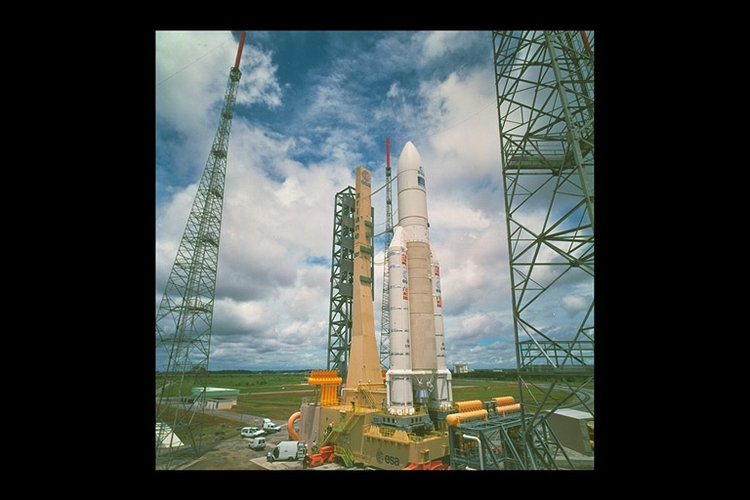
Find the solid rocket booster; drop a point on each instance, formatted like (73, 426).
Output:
(418, 371)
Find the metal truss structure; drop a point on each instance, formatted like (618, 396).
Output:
(342, 282)
(185, 314)
(545, 96)
(385, 313)
(498, 444)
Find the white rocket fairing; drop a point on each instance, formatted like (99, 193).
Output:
(418, 371)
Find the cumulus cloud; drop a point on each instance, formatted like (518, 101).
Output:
(258, 82)
(289, 154)
(437, 43)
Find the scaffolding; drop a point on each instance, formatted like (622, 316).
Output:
(185, 314)
(342, 283)
(545, 95)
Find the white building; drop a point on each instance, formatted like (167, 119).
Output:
(460, 367)
(218, 398)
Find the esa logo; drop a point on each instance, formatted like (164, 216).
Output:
(388, 459)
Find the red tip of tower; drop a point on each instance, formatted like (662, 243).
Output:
(239, 51)
(585, 41)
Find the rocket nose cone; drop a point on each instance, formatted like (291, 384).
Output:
(409, 155)
(409, 146)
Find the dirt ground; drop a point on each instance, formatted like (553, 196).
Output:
(230, 454)
(233, 453)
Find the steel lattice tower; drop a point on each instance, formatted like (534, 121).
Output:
(342, 283)
(342, 280)
(385, 321)
(545, 94)
(185, 314)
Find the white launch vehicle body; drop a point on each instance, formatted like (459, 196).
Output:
(418, 370)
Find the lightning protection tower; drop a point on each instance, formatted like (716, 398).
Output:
(385, 312)
(545, 96)
(185, 315)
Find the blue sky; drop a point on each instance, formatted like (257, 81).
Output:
(311, 107)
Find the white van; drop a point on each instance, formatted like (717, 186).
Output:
(287, 450)
(258, 443)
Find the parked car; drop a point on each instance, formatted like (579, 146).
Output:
(258, 443)
(252, 432)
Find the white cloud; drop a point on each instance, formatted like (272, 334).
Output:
(258, 82)
(249, 315)
(437, 43)
(394, 90)
(274, 267)
(191, 74)
(192, 71)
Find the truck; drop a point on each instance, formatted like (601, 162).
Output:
(287, 450)
(269, 426)
(325, 455)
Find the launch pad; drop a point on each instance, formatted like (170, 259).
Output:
(359, 440)
(405, 418)
(395, 419)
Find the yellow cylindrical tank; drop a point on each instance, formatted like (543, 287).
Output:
(504, 400)
(502, 410)
(464, 406)
(455, 419)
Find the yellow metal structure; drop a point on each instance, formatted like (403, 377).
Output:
(363, 371)
(357, 440)
(329, 383)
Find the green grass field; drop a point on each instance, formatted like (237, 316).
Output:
(278, 395)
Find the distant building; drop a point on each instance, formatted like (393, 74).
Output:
(460, 367)
(218, 398)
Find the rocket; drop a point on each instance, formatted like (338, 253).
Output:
(418, 373)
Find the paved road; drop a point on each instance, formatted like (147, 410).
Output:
(589, 402)
(247, 419)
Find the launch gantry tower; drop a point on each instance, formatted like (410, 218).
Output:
(342, 282)
(545, 96)
(385, 321)
(185, 314)
(342, 279)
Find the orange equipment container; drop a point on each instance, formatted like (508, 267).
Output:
(502, 410)
(504, 400)
(455, 419)
(464, 406)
